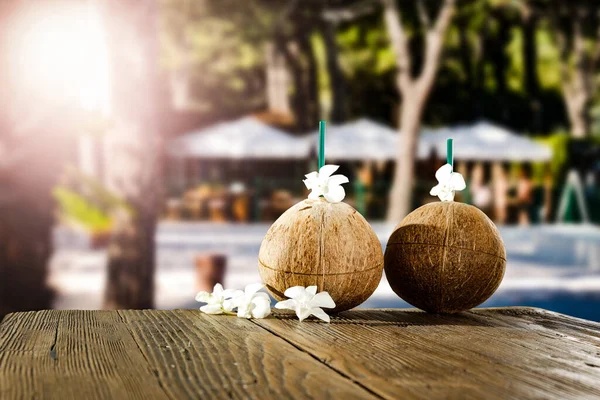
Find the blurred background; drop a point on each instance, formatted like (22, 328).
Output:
(147, 146)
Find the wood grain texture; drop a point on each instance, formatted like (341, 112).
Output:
(485, 353)
(445, 257)
(156, 355)
(502, 353)
(329, 245)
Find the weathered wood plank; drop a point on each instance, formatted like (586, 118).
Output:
(72, 355)
(200, 356)
(157, 355)
(485, 353)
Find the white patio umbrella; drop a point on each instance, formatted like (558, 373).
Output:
(362, 139)
(244, 138)
(483, 141)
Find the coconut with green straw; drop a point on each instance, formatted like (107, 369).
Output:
(445, 256)
(324, 242)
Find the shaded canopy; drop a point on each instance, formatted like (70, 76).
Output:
(483, 141)
(246, 137)
(362, 139)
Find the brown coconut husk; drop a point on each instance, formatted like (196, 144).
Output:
(445, 257)
(329, 245)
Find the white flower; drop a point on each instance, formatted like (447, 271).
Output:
(323, 183)
(251, 303)
(306, 301)
(216, 302)
(448, 183)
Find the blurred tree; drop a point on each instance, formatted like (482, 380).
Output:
(292, 37)
(529, 21)
(575, 25)
(37, 127)
(414, 90)
(219, 52)
(337, 81)
(134, 147)
(367, 64)
(214, 53)
(333, 16)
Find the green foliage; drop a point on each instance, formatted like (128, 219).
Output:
(86, 202)
(324, 84)
(548, 60)
(217, 47)
(516, 69)
(559, 143)
(368, 64)
(76, 209)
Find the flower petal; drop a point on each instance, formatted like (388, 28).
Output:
(238, 298)
(447, 196)
(315, 194)
(244, 312)
(311, 290)
(337, 180)
(457, 182)
(262, 307)
(335, 194)
(212, 309)
(311, 176)
(443, 173)
(203, 297)
(229, 305)
(327, 170)
(228, 293)
(218, 289)
(295, 291)
(322, 315)
(286, 304)
(253, 288)
(303, 313)
(435, 190)
(262, 295)
(322, 299)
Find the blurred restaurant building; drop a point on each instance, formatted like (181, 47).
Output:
(247, 170)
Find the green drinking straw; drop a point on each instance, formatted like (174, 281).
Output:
(449, 153)
(321, 143)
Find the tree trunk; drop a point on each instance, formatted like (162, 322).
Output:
(310, 80)
(577, 105)
(277, 81)
(500, 61)
(415, 92)
(134, 151)
(403, 184)
(300, 100)
(336, 78)
(532, 86)
(35, 132)
(577, 84)
(577, 66)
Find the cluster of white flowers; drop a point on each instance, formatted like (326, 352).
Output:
(448, 182)
(251, 303)
(323, 183)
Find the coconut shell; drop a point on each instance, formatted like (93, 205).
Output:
(329, 245)
(445, 257)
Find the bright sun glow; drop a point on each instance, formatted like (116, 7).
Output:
(61, 54)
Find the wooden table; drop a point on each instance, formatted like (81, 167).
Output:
(393, 354)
